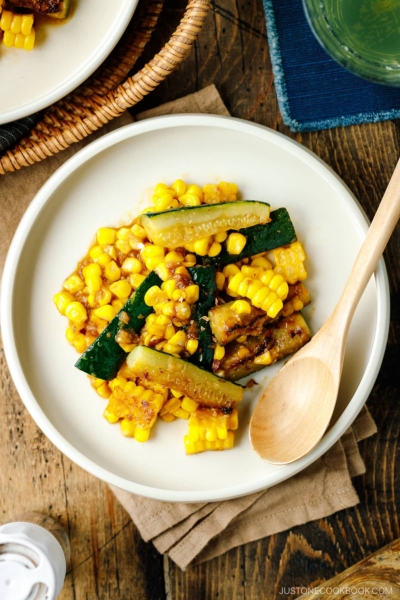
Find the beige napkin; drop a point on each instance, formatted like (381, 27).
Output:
(193, 533)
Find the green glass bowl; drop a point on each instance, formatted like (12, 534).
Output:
(361, 35)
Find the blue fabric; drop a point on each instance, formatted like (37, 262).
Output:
(314, 92)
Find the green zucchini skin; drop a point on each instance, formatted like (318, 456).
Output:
(204, 277)
(260, 238)
(104, 357)
(172, 372)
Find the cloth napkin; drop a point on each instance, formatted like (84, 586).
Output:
(314, 92)
(195, 532)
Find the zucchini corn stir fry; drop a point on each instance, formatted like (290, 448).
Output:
(168, 312)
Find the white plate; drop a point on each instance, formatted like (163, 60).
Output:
(107, 183)
(63, 57)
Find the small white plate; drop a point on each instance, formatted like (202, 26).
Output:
(64, 56)
(107, 183)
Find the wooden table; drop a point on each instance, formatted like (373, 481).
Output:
(109, 559)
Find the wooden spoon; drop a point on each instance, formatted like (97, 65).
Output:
(295, 408)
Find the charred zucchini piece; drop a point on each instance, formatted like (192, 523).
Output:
(56, 9)
(227, 325)
(204, 277)
(181, 226)
(172, 372)
(260, 238)
(105, 356)
(280, 338)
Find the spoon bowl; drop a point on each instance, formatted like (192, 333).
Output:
(295, 408)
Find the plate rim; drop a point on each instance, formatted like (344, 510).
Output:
(127, 10)
(6, 308)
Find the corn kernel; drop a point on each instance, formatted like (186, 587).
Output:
(269, 301)
(221, 237)
(103, 390)
(168, 309)
(179, 186)
(261, 261)
(181, 414)
(110, 250)
(201, 246)
(190, 260)
(111, 417)
(106, 312)
(190, 200)
(179, 339)
(172, 349)
(123, 247)
(235, 243)
(155, 295)
(112, 272)
(189, 405)
(19, 41)
(275, 308)
(174, 257)
(162, 271)
(160, 188)
(191, 346)
(106, 236)
(6, 20)
(62, 300)
(95, 252)
(138, 231)
(168, 417)
(242, 338)
(73, 284)
(241, 307)
(94, 283)
(259, 297)
(230, 270)
(128, 427)
(30, 40)
(192, 293)
(76, 312)
(263, 359)
(123, 234)
(178, 295)
(90, 270)
(195, 189)
(220, 280)
(121, 289)
(219, 352)
(117, 305)
(136, 279)
(169, 331)
(103, 259)
(275, 282)
(79, 343)
(169, 287)
(182, 310)
(215, 249)
(16, 24)
(164, 202)
(70, 334)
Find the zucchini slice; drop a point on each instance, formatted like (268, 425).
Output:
(204, 277)
(199, 385)
(104, 357)
(56, 9)
(181, 226)
(281, 338)
(260, 238)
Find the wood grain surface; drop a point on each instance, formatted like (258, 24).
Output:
(109, 559)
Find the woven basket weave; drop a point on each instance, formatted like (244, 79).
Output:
(109, 92)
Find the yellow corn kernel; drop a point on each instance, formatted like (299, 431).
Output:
(95, 252)
(136, 279)
(117, 305)
(191, 346)
(151, 250)
(215, 249)
(179, 186)
(62, 300)
(182, 271)
(189, 405)
(70, 334)
(79, 343)
(190, 200)
(179, 339)
(121, 289)
(168, 417)
(190, 260)
(172, 349)
(123, 247)
(16, 24)
(190, 247)
(241, 307)
(138, 231)
(112, 272)
(90, 270)
(221, 237)
(263, 359)
(176, 393)
(106, 312)
(275, 282)
(94, 283)
(168, 309)
(6, 20)
(244, 286)
(110, 250)
(163, 202)
(153, 261)
(162, 271)
(128, 427)
(196, 190)
(235, 243)
(261, 261)
(162, 320)
(123, 234)
(290, 262)
(242, 338)
(275, 308)
(174, 257)
(171, 405)
(103, 390)
(111, 417)
(181, 414)
(219, 352)
(106, 236)
(161, 188)
(201, 246)
(230, 270)
(73, 284)
(178, 295)
(142, 434)
(103, 259)
(103, 296)
(169, 287)
(155, 295)
(19, 40)
(169, 331)
(182, 310)
(220, 280)
(260, 296)
(29, 42)
(254, 272)
(192, 293)
(76, 312)
(117, 382)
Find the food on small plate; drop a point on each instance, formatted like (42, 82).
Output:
(170, 311)
(17, 19)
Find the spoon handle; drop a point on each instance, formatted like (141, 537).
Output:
(378, 235)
